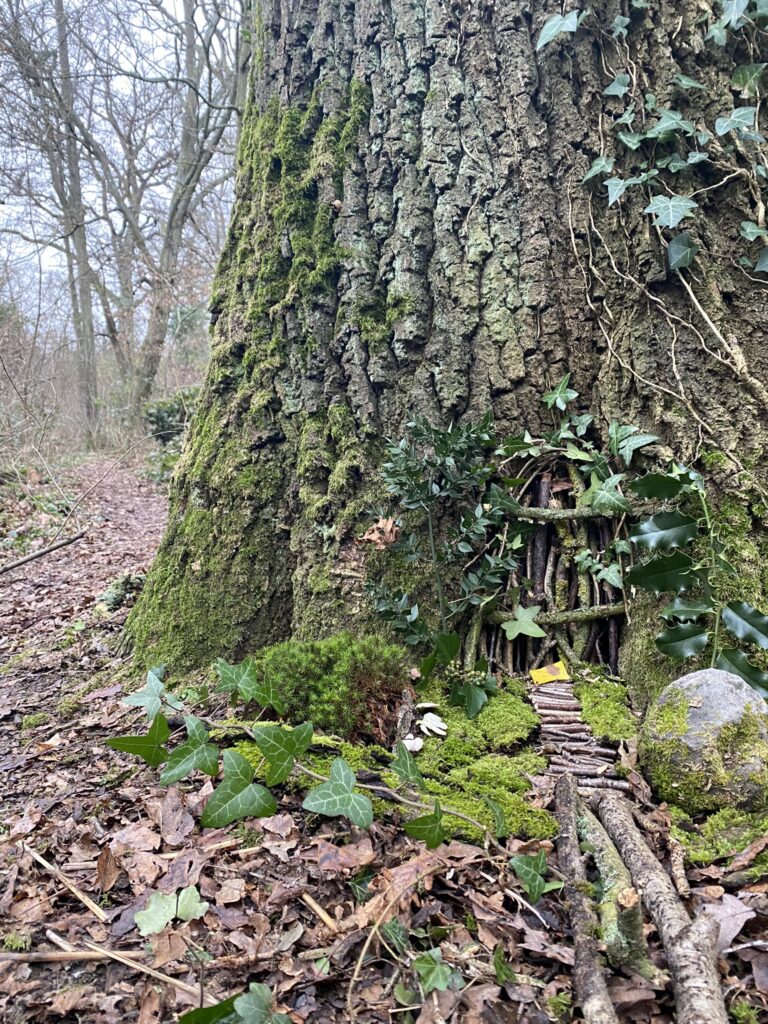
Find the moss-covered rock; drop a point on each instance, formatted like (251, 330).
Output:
(705, 743)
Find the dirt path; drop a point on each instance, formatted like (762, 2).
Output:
(124, 516)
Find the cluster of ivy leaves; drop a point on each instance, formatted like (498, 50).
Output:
(667, 142)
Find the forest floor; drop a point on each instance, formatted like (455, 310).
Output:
(342, 924)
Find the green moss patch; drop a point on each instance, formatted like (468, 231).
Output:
(343, 684)
(605, 708)
(720, 835)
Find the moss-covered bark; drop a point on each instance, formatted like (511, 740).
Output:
(411, 234)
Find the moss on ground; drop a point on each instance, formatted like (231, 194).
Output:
(605, 707)
(33, 721)
(720, 835)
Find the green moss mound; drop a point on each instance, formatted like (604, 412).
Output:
(605, 708)
(340, 684)
(720, 835)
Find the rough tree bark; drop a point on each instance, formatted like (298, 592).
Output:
(411, 234)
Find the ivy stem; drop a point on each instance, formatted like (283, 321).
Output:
(438, 579)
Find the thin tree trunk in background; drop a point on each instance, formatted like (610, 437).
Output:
(412, 235)
(77, 245)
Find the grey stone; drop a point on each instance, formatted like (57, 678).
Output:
(705, 743)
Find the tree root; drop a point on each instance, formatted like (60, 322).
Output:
(621, 913)
(588, 971)
(690, 946)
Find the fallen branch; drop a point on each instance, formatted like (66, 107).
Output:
(588, 970)
(591, 614)
(621, 913)
(42, 551)
(690, 946)
(61, 877)
(50, 956)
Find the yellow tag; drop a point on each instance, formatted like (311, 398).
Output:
(550, 673)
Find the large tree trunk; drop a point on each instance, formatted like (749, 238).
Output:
(411, 234)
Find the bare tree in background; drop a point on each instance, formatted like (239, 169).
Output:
(119, 122)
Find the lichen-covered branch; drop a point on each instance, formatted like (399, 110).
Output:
(564, 618)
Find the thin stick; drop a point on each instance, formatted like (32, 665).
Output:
(602, 611)
(182, 986)
(59, 874)
(60, 956)
(59, 941)
(318, 910)
(43, 551)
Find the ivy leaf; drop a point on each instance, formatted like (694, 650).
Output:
(762, 262)
(670, 210)
(670, 121)
(150, 748)
(434, 974)
(396, 934)
(696, 158)
(607, 500)
(404, 765)
(656, 485)
(733, 660)
(628, 116)
(428, 828)
(255, 1006)
(555, 26)
(153, 695)
(523, 623)
(252, 684)
(687, 83)
(281, 745)
(612, 575)
(617, 187)
(196, 753)
(473, 699)
(632, 140)
(619, 26)
(747, 78)
(221, 1013)
(682, 251)
(752, 231)
(336, 797)
(560, 395)
(162, 908)
(624, 440)
(530, 869)
(680, 610)
(665, 530)
(600, 165)
(447, 647)
(746, 623)
(500, 826)
(237, 796)
(618, 87)
(674, 573)
(733, 11)
(740, 119)
(681, 642)
(503, 971)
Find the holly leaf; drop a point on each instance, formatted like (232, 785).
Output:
(337, 798)
(434, 974)
(195, 754)
(668, 211)
(237, 796)
(665, 530)
(682, 251)
(746, 623)
(560, 395)
(680, 642)
(733, 660)
(151, 747)
(255, 1006)
(680, 610)
(428, 828)
(153, 695)
(657, 485)
(523, 623)
(281, 745)
(674, 573)
(404, 765)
